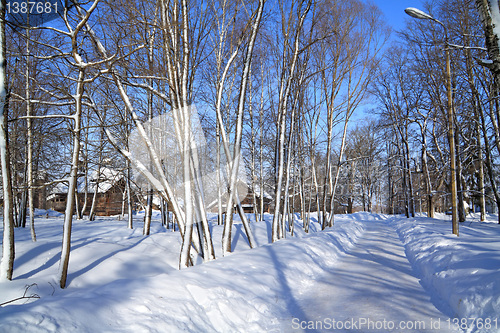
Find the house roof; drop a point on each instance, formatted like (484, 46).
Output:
(256, 189)
(107, 179)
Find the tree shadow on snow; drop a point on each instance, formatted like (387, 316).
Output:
(292, 305)
(89, 267)
(52, 261)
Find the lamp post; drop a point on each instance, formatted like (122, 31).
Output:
(417, 13)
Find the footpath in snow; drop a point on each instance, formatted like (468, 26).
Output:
(461, 273)
(371, 288)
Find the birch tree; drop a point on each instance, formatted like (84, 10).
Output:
(228, 44)
(73, 34)
(178, 74)
(8, 251)
(351, 57)
(227, 233)
(489, 11)
(290, 54)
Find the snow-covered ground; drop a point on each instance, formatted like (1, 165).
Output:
(462, 273)
(368, 269)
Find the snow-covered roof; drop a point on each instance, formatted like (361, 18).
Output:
(256, 190)
(107, 178)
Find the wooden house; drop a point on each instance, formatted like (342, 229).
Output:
(247, 203)
(109, 184)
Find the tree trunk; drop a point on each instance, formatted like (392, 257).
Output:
(337, 173)
(282, 112)
(286, 198)
(460, 188)
(218, 175)
(96, 191)
(29, 160)
(21, 222)
(226, 241)
(70, 201)
(8, 251)
(488, 11)
(482, 202)
(488, 160)
(78, 212)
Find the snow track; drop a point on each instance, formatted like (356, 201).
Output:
(371, 288)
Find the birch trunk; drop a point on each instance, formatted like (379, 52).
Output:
(282, 112)
(96, 190)
(29, 160)
(337, 174)
(149, 208)
(78, 213)
(460, 187)
(261, 148)
(70, 201)
(86, 177)
(130, 223)
(428, 184)
(226, 240)
(489, 11)
(252, 159)
(161, 183)
(286, 204)
(488, 160)
(8, 251)
(97, 181)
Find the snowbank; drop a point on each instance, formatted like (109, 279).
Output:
(121, 281)
(462, 272)
(45, 213)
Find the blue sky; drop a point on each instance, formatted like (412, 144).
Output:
(394, 10)
(395, 17)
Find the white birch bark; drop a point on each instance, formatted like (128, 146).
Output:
(130, 219)
(161, 183)
(282, 110)
(261, 146)
(70, 201)
(8, 252)
(226, 241)
(286, 204)
(77, 97)
(29, 160)
(96, 190)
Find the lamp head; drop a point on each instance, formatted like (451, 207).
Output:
(417, 13)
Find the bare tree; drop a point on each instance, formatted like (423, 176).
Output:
(348, 65)
(8, 252)
(288, 73)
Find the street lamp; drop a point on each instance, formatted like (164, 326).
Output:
(417, 13)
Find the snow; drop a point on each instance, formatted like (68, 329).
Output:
(46, 213)
(461, 272)
(256, 189)
(366, 269)
(486, 61)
